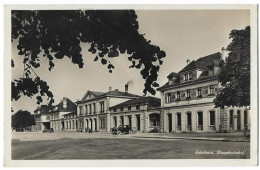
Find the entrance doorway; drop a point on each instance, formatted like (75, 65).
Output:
(245, 119)
(170, 122)
(238, 120)
(200, 121)
(178, 121)
(122, 120)
(130, 121)
(95, 124)
(115, 122)
(189, 121)
(138, 123)
(91, 125)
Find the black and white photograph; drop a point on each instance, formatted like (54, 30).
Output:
(131, 83)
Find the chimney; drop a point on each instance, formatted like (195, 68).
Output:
(188, 61)
(126, 88)
(110, 88)
(64, 103)
(223, 54)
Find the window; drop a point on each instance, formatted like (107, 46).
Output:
(80, 110)
(94, 108)
(199, 92)
(90, 109)
(102, 123)
(186, 77)
(102, 107)
(121, 109)
(190, 76)
(178, 95)
(154, 120)
(231, 114)
(188, 94)
(129, 108)
(168, 98)
(114, 109)
(138, 107)
(211, 89)
(86, 109)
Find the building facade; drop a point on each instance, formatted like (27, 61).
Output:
(93, 109)
(143, 114)
(187, 100)
(57, 113)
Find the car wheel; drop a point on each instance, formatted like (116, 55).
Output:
(130, 132)
(118, 133)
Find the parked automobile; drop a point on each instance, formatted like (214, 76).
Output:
(126, 129)
(48, 130)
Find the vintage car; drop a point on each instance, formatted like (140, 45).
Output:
(48, 130)
(126, 129)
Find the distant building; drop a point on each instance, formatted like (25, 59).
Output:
(187, 100)
(93, 109)
(57, 119)
(42, 118)
(143, 114)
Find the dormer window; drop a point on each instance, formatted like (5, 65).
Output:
(199, 92)
(186, 77)
(188, 93)
(168, 98)
(178, 95)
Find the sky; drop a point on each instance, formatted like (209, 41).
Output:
(182, 34)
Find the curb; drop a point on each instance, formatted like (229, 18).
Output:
(206, 139)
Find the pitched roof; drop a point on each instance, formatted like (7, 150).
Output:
(71, 106)
(192, 65)
(200, 79)
(43, 109)
(203, 62)
(95, 93)
(114, 93)
(117, 93)
(151, 101)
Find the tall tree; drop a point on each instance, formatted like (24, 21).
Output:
(22, 119)
(56, 34)
(234, 73)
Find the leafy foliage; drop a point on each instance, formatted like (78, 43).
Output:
(22, 119)
(57, 34)
(234, 73)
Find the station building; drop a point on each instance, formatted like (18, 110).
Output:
(187, 100)
(57, 123)
(93, 109)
